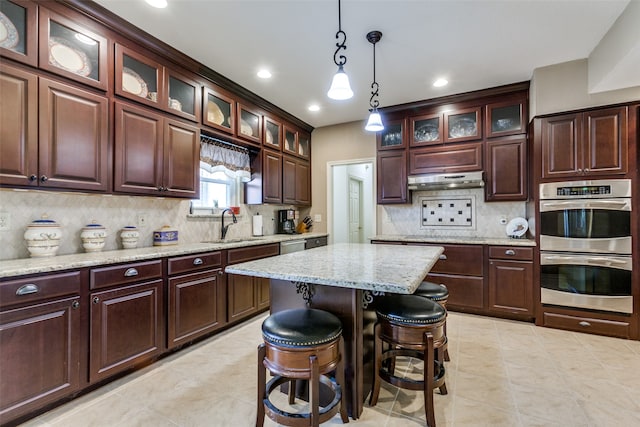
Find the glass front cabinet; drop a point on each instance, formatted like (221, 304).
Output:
(18, 31)
(506, 118)
(219, 110)
(392, 136)
(139, 78)
(250, 122)
(463, 125)
(426, 130)
(183, 95)
(272, 134)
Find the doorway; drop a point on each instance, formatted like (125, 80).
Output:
(351, 201)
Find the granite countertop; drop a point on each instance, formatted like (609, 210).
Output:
(505, 241)
(386, 268)
(19, 267)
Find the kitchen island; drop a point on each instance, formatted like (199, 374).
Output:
(345, 279)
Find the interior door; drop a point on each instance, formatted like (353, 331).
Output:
(355, 211)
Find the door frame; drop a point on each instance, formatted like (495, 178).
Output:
(329, 212)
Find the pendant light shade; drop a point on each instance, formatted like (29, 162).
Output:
(340, 88)
(374, 124)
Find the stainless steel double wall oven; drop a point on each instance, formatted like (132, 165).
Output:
(585, 244)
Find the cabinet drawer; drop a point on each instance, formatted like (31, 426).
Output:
(460, 259)
(127, 273)
(315, 242)
(464, 291)
(48, 286)
(613, 328)
(510, 252)
(194, 262)
(250, 253)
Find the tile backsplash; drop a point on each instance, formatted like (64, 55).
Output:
(74, 210)
(432, 214)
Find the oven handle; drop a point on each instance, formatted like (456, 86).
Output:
(588, 260)
(620, 205)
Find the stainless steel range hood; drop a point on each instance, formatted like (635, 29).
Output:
(449, 181)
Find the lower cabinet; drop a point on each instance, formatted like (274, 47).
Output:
(197, 297)
(126, 317)
(511, 280)
(247, 295)
(40, 342)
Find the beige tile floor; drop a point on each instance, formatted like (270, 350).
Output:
(502, 373)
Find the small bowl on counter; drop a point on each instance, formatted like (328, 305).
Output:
(93, 237)
(43, 237)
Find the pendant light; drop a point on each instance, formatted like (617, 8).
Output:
(340, 88)
(374, 124)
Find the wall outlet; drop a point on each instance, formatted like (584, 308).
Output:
(503, 220)
(142, 220)
(5, 221)
(317, 218)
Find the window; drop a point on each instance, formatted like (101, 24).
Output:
(216, 187)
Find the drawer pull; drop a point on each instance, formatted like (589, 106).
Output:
(584, 324)
(130, 272)
(443, 257)
(27, 289)
(510, 252)
(75, 305)
(96, 300)
(198, 261)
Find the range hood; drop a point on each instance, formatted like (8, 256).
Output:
(447, 181)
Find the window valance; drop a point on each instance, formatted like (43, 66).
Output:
(222, 156)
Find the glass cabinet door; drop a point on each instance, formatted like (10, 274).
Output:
(139, 78)
(392, 136)
(506, 118)
(426, 130)
(18, 25)
(463, 125)
(249, 124)
(219, 110)
(304, 144)
(272, 134)
(290, 143)
(184, 96)
(72, 51)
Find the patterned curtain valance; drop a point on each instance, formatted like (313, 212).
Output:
(222, 156)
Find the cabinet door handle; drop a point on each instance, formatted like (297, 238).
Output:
(75, 305)
(510, 252)
(96, 300)
(198, 261)
(220, 272)
(33, 178)
(27, 289)
(443, 257)
(584, 323)
(130, 272)
(44, 178)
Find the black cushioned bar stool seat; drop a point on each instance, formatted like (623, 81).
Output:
(411, 326)
(439, 294)
(301, 344)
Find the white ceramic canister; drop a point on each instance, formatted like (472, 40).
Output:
(93, 237)
(43, 237)
(129, 236)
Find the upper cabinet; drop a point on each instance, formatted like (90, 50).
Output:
(296, 142)
(463, 125)
(219, 110)
(272, 133)
(425, 130)
(184, 97)
(590, 143)
(506, 118)
(72, 51)
(18, 30)
(393, 135)
(250, 123)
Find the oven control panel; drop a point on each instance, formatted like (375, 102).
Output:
(590, 190)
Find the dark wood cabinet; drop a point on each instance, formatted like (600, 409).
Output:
(506, 117)
(272, 133)
(393, 136)
(463, 124)
(18, 126)
(590, 143)
(296, 181)
(511, 280)
(197, 301)
(40, 342)
(271, 177)
(126, 317)
(392, 176)
(444, 159)
(506, 169)
(247, 295)
(279, 178)
(426, 129)
(74, 147)
(249, 123)
(154, 154)
(23, 45)
(219, 110)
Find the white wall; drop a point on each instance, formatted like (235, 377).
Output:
(340, 202)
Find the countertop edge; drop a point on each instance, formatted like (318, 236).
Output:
(455, 240)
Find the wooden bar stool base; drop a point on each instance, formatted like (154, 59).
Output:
(440, 294)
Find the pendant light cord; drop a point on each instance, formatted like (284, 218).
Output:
(341, 36)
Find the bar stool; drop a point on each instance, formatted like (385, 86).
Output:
(301, 344)
(439, 294)
(411, 326)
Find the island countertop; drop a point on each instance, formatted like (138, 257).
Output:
(382, 268)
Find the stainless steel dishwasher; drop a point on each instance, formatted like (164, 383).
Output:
(292, 246)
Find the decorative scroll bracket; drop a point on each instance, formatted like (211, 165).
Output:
(367, 297)
(308, 290)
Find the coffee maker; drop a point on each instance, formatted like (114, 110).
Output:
(285, 221)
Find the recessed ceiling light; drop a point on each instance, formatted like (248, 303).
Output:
(440, 82)
(160, 4)
(264, 74)
(314, 107)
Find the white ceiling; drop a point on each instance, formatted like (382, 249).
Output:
(474, 44)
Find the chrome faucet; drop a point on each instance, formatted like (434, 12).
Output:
(225, 229)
